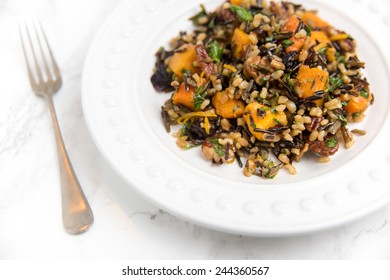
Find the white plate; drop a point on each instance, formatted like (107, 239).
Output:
(122, 111)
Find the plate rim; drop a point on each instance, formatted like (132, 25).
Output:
(302, 230)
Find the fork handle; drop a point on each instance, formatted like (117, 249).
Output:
(77, 215)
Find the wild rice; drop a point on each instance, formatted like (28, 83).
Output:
(315, 112)
(358, 132)
(279, 92)
(291, 106)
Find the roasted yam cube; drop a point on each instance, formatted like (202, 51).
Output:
(291, 26)
(259, 116)
(240, 42)
(313, 20)
(311, 80)
(184, 96)
(227, 108)
(183, 60)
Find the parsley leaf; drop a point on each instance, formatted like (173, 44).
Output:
(364, 93)
(186, 72)
(340, 58)
(331, 142)
(216, 51)
(199, 98)
(184, 130)
(287, 79)
(308, 30)
(202, 13)
(269, 38)
(191, 146)
(212, 23)
(242, 14)
(322, 51)
(217, 146)
(287, 43)
(343, 120)
(356, 115)
(276, 121)
(334, 83)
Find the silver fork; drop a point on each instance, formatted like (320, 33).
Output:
(45, 82)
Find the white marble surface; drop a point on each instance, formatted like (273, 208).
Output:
(126, 226)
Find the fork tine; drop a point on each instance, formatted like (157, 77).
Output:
(30, 73)
(45, 65)
(39, 72)
(56, 69)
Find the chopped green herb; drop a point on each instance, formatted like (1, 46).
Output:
(344, 103)
(266, 103)
(242, 14)
(218, 148)
(235, 108)
(343, 120)
(263, 81)
(356, 115)
(277, 121)
(215, 51)
(271, 177)
(331, 142)
(265, 172)
(322, 51)
(190, 146)
(287, 79)
(253, 125)
(269, 39)
(186, 72)
(310, 80)
(287, 43)
(199, 98)
(364, 93)
(340, 58)
(308, 30)
(334, 83)
(202, 13)
(184, 130)
(212, 23)
(273, 109)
